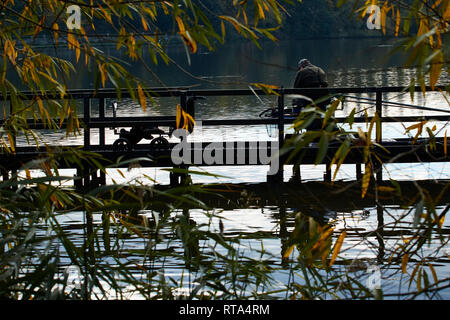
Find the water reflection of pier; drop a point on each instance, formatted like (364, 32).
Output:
(322, 202)
(339, 196)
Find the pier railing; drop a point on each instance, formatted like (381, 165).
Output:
(102, 121)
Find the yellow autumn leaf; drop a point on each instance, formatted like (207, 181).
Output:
(337, 247)
(397, 23)
(38, 27)
(419, 280)
(86, 54)
(70, 40)
(178, 117)
(436, 68)
(28, 174)
(11, 142)
(189, 121)
(433, 272)
(55, 28)
(438, 2)
(416, 126)
(83, 33)
(366, 179)
(414, 273)
(267, 88)
(222, 26)
(288, 252)
(384, 11)
(121, 173)
(142, 98)
(362, 135)
(323, 237)
(40, 104)
(165, 9)
(407, 239)
(446, 15)
(180, 25)
(102, 70)
(144, 24)
(77, 53)
(260, 11)
(385, 189)
(405, 260)
(245, 17)
(234, 22)
(106, 14)
(189, 41)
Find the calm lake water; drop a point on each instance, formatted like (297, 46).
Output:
(348, 63)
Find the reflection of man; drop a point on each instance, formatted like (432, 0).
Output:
(310, 76)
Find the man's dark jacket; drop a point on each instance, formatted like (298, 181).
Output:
(311, 77)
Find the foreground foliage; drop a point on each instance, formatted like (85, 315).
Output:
(35, 246)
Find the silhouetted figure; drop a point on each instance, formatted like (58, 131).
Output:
(310, 76)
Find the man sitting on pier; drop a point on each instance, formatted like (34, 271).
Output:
(310, 76)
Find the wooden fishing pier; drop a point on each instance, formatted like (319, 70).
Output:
(390, 151)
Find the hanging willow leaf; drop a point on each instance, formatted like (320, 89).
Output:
(433, 272)
(142, 98)
(178, 117)
(405, 260)
(55, 28)
(413, 274)
(288, 252)
(184, 120)
(330, 111)
(267, 88)
(323, 237)
(419, 280)
(323, 148)
(337, 247)
(397, 23)
(436, 68)
(366, 179)
(190, 42)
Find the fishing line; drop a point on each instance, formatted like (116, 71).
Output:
(398, 104)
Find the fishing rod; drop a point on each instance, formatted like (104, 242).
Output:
(397, 104)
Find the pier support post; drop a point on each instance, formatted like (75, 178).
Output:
(379, 114)
(296, 173)
(379, 233)
(327, 174)
(78, 180)
(180, 178)
(88, 178)
(87, 120)
(278, 177)
(101, 114)
(358, 171)
(5, 174)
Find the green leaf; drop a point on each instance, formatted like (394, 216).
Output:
(330, 111)
(351, 118)
(323, 148)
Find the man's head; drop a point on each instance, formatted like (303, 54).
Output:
(303, 63)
